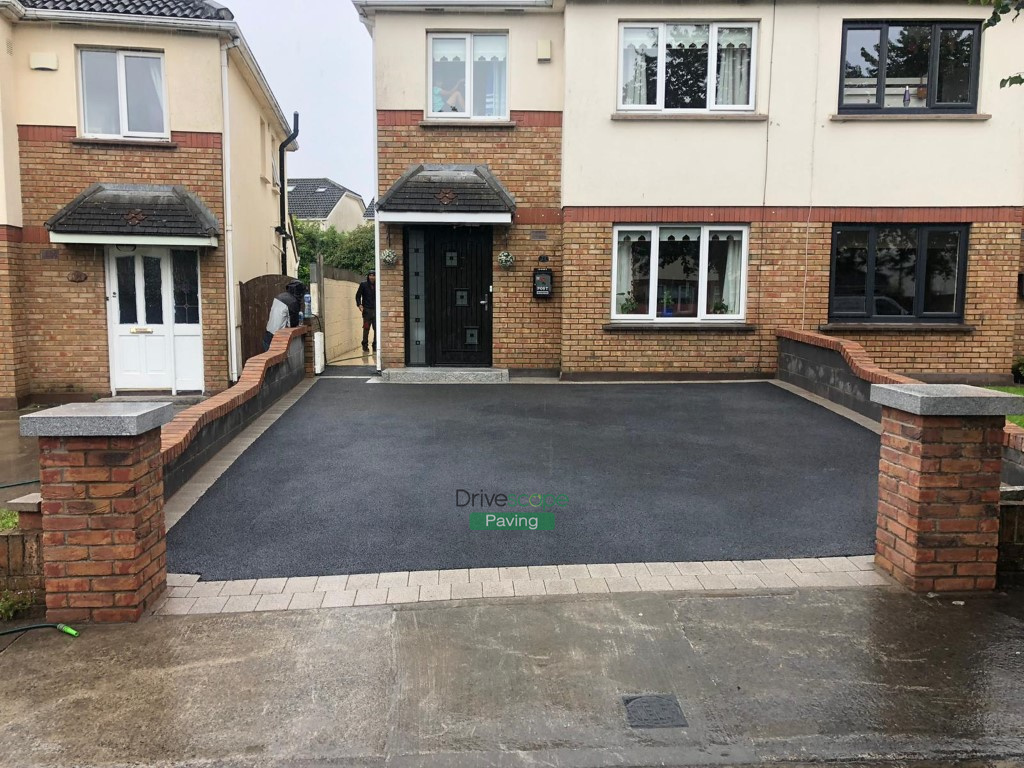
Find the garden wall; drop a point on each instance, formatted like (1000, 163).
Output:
(836, 369)
(195, 435)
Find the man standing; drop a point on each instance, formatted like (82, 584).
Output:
(284, 311)
(366, 300)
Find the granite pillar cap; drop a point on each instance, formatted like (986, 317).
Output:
(946, 400)
(97, 420)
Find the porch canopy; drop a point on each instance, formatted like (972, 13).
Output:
(447, 194)
(135, 214)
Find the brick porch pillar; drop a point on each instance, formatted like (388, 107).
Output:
(938, 484)
(101, 477)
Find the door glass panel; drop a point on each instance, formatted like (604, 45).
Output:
(678, 272)
(633, 273)
(906, 66)
(185, 265)
(860, 78)
(99, 93)
(941, 271)
(128, 313)
(849, 295)
(725, 273)
(144, 83)
(153, 284)
(956, 52)
(895, 271)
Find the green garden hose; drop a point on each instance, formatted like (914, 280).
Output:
(62, 627)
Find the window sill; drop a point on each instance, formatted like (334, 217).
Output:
(147, 143)
(896, 327)
(505, 125)
(619, 326)
(918, 116)
(711, 117)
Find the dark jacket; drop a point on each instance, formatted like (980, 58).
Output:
(367, 296)
(292, 302)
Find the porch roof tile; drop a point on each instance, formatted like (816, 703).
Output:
(448, 189)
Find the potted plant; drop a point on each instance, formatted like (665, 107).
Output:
(666, 303)
(629, 303)
(388, 257)
(720, 308)
(506, 260)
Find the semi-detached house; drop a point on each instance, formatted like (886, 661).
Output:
(676, 182)
(140, 185)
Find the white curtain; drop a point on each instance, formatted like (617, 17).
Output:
(623, 272)
(734, 48)
(640, 51)
(731, 281)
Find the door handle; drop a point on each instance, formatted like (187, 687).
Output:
(485, 302)
(141, 330)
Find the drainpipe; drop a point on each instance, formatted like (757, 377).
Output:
(229, 231)
(283, 228)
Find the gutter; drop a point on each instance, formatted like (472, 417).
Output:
(11, 9)
(229, 231)
(230, 29)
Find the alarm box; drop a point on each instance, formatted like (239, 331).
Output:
(543, 283)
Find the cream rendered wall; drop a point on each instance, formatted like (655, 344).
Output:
(255, 200)
(800, 156)
(10, 176)
(347, 214)
(400, 51)
(191, 67)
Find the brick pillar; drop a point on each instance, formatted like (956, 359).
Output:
(938, 484)
(104, 548)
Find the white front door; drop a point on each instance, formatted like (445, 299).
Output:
(155, 331)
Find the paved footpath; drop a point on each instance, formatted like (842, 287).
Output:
(186, 594)
(865, 676)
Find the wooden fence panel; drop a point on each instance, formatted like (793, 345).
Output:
(255, 298)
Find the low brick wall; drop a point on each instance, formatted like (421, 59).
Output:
(21, 562)
(1013, 455)
(196, 434)
(838, 370)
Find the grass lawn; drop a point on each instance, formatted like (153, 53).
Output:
(1018, 420)
(8, 520)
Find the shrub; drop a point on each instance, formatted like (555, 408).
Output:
(13, 603)
(8, 520)
(1018, 369)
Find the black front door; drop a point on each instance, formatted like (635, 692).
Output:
(457, 288)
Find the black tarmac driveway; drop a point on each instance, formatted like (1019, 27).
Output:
(362, 478)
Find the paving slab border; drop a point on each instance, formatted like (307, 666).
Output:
(188, 595)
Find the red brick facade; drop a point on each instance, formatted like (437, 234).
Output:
(60, 327)
(527, 159)
(787, 277)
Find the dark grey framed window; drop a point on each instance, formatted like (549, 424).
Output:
(898, 272)
(910, 66)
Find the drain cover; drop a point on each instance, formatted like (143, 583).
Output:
(659, 710)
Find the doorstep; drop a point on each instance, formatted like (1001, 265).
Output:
(446, 376)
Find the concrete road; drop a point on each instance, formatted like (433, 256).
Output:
(366, 478)
(846, 676)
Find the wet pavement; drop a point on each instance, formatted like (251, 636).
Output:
(866, 676)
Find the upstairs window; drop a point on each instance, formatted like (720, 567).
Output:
(898, 273)
(675, 67)
(910, 66)
(123, 94)
(468, 76)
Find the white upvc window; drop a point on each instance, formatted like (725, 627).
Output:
(122, 94)
(467, 75)
(687, 66)
(680, 273)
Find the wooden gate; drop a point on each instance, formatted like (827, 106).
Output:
(255, 298)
